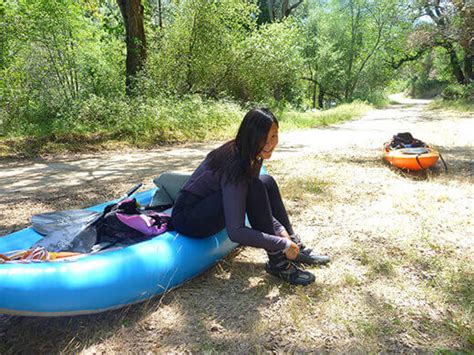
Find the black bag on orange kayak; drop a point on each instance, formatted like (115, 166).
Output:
(405, 140)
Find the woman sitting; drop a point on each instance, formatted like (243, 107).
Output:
(227, 185)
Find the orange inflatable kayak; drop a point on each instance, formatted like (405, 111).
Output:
(420, 158)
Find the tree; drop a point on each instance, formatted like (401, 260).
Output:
(452, 27)
(271, 64)
(200, 50)
(346, 44)
(370, 31)
(132, 13)
(276, 10)
(323, 68)
(443, 24)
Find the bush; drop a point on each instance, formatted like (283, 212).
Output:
(452, 92)
(377, 98)
(426, 89)
(98, 113)
(190, 118)
(458, 92)
(137, 120)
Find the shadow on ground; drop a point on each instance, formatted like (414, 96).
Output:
(200, 320)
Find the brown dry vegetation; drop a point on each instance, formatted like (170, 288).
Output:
(401, 279)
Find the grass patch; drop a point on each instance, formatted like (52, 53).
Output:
(104, 124)
(461, 105)
(298, 120)
(73, 142)
(447, 280)
(100, 123)
(382, 266)
(378, 263)
(367, 327)
(351, 280)
(301, 188)
(456, 282)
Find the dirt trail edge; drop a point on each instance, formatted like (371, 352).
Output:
(402, 274)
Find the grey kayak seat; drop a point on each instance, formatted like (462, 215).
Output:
(414, 151)
(169, 184)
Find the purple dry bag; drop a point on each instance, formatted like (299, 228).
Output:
(125, 221)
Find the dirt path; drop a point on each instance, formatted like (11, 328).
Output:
(402, 245)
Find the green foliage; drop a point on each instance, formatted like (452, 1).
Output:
(458, 92)
(426, 89)
(145, 121)
(442, 36)
(453, 92)
(271, 64)
(199, 50)
(296, 120)
(427, 77)
(62, 65)
(56, 59)
(215, 49)
(347, 46)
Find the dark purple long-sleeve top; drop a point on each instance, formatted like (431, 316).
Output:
(204, 182)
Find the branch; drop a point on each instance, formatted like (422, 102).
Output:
(286, 10)
(294, 6)
(409, 58)
(326, 92)
(309, 79)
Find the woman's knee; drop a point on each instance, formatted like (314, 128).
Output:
(256, 184)
(257, 190)
(269, 182)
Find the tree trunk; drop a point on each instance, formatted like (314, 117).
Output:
(132, 12)
(189, 64)
(277, 94)
(468, 69)
(160, 14)
(315, 87)
(321, 98)
(276, 11)
(456, 67)
(271, 10)
(284, 8)
(354, 28)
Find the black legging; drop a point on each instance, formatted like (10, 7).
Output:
(202, 217)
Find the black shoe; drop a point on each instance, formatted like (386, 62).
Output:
(280, 267)
(306, 255)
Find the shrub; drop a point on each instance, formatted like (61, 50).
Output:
(452, 92)
(426, 89)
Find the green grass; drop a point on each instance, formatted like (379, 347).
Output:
(462, 105)
(104, 124)
(101, 123)
(298, 120)
(351, 280)
(298, 188)
(379, 262)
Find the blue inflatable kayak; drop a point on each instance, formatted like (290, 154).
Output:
(106, 280)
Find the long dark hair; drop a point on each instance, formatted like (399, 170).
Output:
(237, 159)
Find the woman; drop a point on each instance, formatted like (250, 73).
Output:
(227, 185)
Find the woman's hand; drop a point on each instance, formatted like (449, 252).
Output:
(284, 234)
(292, 252)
